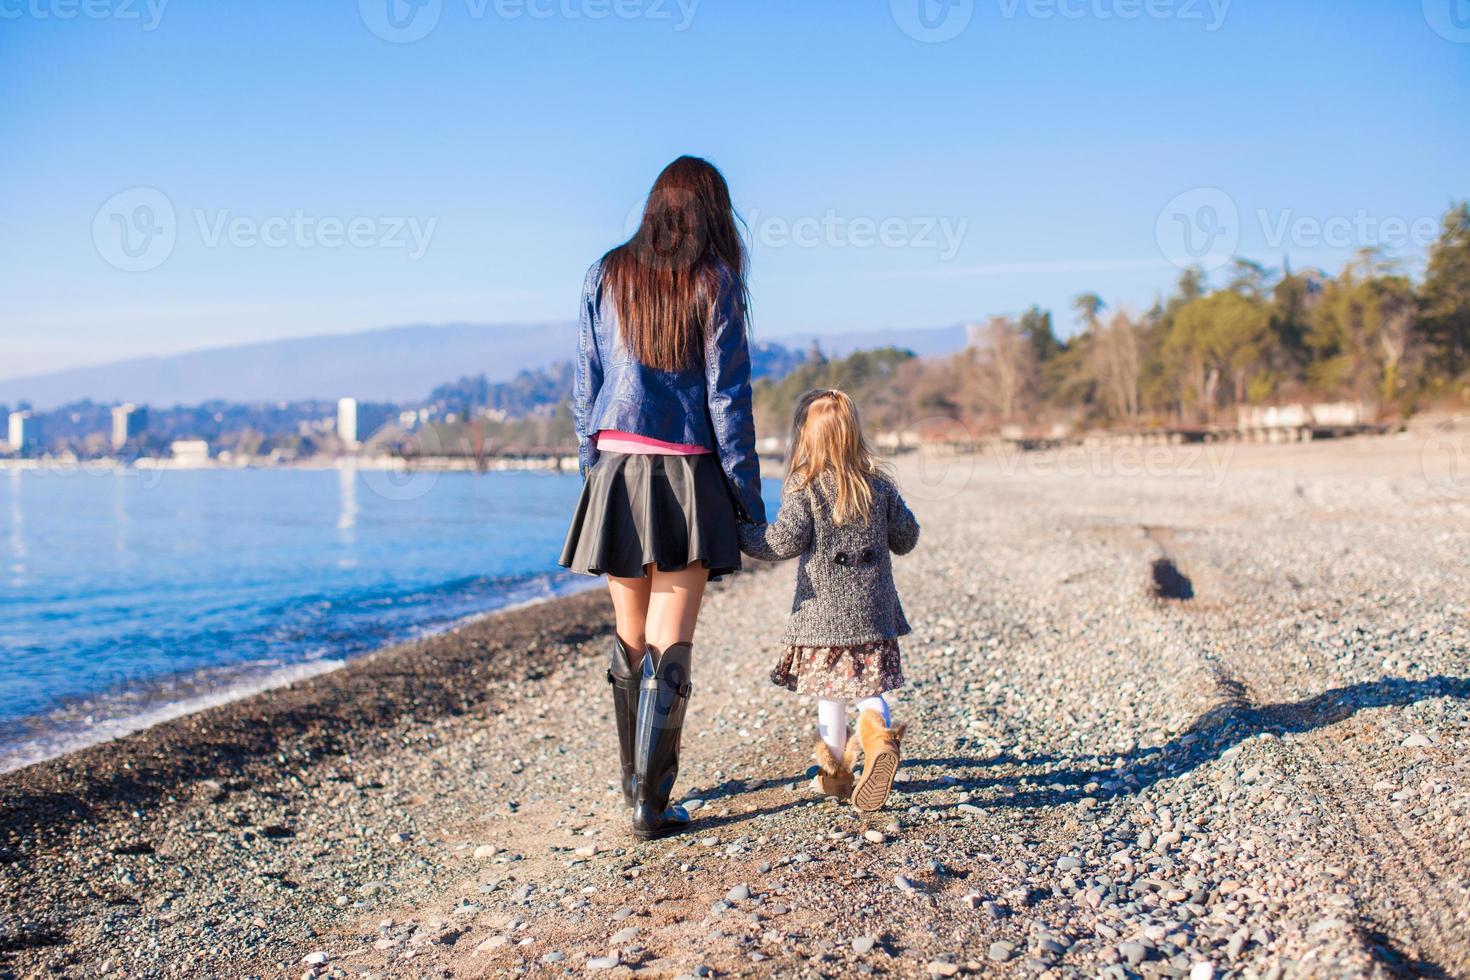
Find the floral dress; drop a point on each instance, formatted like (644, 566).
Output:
(844, 673)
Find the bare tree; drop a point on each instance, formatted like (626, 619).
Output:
(1116, 364)
(1005, 367)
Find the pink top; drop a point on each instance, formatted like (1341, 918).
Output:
(613, 441)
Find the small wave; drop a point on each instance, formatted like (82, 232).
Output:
(132, 706)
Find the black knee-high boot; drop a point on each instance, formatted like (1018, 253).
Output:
(662, 697)
(625, 710)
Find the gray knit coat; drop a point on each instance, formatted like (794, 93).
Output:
(844, 581)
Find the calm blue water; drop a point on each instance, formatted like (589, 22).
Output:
(118, 590)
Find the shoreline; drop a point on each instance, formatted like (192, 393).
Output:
(55, 737)
(328, 713)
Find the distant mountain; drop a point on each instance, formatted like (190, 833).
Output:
(923, 341)
(395, 364)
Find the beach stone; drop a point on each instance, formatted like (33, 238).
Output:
(941, 968)
(1202, 971)
(874, 836)
(1068, 863)
(863, 945)
(624, 936)
(1001, 951)
(1133, 953)
(1418, 740)
(602, 963)
(905, 884)
(623, 913)
(494, 942)
(316, 959)
(738, 894)
(485, 851)
(555, 956)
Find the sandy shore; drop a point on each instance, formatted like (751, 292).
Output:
(1172, 717)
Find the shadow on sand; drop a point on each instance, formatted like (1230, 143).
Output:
(1212, 734)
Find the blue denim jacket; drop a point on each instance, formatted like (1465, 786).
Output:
(706, 405)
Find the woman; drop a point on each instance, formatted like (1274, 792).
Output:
(661, 404)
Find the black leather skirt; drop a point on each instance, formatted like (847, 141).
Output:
(667, 511)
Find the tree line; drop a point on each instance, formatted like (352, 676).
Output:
(1372, 335)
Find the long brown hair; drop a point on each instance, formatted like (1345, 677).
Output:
(666, 280)
(828, 447)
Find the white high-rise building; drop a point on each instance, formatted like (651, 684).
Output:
(128, 423)
(347, 422)
(22, 432)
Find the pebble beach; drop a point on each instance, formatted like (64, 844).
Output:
(1173, 713)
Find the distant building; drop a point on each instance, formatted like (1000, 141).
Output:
(128, 423)
(347, 422)
(23, 434)
(189, 452)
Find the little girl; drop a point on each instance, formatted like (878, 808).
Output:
(842, 514)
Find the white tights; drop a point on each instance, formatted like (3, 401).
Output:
(832, 720)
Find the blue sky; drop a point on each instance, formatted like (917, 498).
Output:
(893, 179)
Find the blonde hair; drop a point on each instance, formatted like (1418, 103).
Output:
(827, 447)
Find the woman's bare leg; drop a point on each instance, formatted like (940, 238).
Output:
(673, 605)
(630, 607)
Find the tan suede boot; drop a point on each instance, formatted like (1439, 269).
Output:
(880, 761)
(834, 775)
